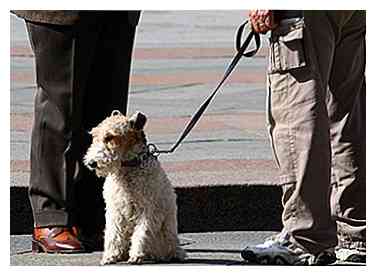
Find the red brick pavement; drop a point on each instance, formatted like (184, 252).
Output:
(17, 166)
(169, 125)
(168, 78)
(243, 121)
(222, 172)
(157, 53)
(205, 77)
(165, 78)
(200, 172)
(182, 166)
(217, 165)
(21, 122)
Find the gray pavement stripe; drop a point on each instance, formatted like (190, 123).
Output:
(165, 88)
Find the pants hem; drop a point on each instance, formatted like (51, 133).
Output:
(51, 218)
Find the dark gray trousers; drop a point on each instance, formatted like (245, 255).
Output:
(82, 75)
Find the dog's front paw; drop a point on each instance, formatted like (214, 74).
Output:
(136, 260)
(106, 260)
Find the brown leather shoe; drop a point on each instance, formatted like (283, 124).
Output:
(56, 240)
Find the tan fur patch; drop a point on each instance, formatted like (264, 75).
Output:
(115, 131)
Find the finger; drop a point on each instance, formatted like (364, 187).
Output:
(258, 15)
(268, 21)
(256, 28)
(263, 28)
(253, 23)
(252, 13)
(263, 15)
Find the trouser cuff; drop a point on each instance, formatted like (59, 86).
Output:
(51, 218)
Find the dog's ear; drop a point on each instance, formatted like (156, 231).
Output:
(137, 121)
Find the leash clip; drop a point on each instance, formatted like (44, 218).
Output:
(153, 150)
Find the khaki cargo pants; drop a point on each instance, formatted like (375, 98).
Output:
(316, 119)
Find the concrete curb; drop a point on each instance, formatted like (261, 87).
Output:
(201, 209)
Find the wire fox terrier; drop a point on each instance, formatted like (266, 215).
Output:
(141, 211)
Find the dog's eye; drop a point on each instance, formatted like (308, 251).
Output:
(108, 138)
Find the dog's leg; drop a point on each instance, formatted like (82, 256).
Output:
(116, 243)
(139, 242)
(175, 252)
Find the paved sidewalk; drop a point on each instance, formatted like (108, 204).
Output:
(210, 248)
(221, 248)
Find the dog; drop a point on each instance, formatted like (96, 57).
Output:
(141, 211)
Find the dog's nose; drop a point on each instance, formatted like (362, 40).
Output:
(92, 164)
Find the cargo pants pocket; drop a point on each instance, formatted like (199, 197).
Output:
(286, 55)
(287, 48)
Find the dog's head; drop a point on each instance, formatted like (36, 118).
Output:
(115, 139)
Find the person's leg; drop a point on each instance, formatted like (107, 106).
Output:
(300, 67)
(52, 165)
(346, 107)
(109, 75)
(300, 132)
(63, 56)
(56, 134)
(106, 90)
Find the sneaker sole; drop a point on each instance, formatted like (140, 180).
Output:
(251, 257)
(355, 258)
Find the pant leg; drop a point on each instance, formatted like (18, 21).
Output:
(346, 107)
(54, 155)
(300, 65)
(53, 47)
(106, 90)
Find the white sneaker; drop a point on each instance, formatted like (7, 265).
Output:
(278, 250)
(351, 255)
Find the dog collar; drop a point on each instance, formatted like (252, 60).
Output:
(135, 162)
(143, 158)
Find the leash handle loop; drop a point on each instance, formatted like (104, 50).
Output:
(241, 48)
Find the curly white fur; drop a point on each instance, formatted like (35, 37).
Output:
(141, 211)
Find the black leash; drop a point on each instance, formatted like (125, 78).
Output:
(240, 53)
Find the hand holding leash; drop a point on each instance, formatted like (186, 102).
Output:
(262, 21)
